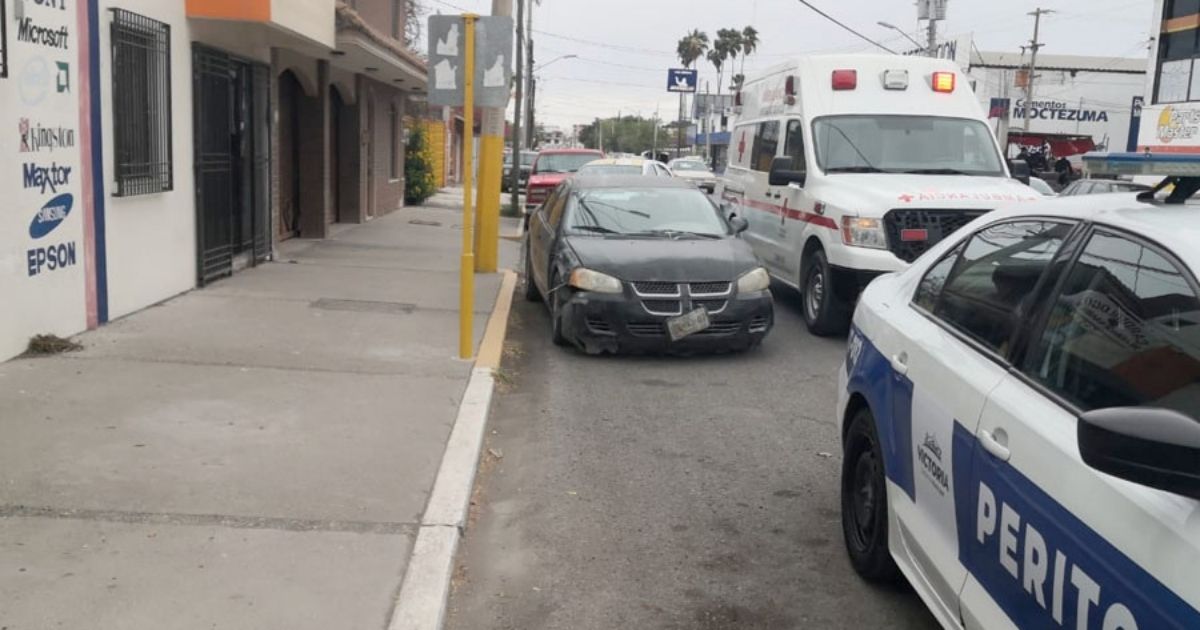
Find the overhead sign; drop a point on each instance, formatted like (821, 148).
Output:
(447, 61)
(681, 80)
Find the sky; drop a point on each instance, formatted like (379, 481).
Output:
(625, 47)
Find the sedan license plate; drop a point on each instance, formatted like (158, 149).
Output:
(687, 324)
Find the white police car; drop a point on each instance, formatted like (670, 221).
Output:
(1019, 413)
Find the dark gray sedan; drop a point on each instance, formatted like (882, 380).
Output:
(644, 264)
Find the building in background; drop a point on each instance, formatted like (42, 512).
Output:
(155, 145)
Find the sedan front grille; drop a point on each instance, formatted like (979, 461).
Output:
(721, 328)
(709, 288)
(663, 307)
(656, 288)
(645, 329)
(911, 232)
(712, 306)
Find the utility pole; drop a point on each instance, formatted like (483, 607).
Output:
(931, 46)
(1034, 45)
(654, 144)
(514, 182)
(600, 135)
(529, 137)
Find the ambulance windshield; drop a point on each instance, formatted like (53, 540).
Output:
(923, 145)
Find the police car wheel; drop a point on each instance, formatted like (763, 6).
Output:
(864, 502)
(824, 312)
(531, 290)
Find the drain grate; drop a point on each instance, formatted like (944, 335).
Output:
(364, 306)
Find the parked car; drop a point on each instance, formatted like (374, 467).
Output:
(1101, 186)
(551, 168)
(1042, 187)
(527, 158)
(633, 263)
(624, 166)
(842, 167)
(1020, 412)
(695, 171)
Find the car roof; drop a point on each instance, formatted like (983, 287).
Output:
(1174, 226)
(621, 161)
(560, 150)
(586, 182)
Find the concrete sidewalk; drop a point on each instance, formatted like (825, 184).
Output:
(253, 455)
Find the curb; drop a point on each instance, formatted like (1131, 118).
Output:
(425, 589)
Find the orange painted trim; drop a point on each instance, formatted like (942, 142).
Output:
(1189, 150)
(241, 10)
(1183, 23)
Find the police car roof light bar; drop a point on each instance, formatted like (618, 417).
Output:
(1179, 170)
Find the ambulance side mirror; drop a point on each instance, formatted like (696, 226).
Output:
(1020, 171)
(1156, 448)
(782, 173)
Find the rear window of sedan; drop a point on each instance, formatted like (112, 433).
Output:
(611, 170)
(646, 211)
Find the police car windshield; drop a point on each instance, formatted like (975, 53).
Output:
(922, 145)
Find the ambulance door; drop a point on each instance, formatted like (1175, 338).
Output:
(798, 215)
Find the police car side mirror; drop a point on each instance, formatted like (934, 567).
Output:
(1156, 448)
(782, 173)
(738, 224)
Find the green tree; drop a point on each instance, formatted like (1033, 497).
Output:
(692, 47)
(727, 47)
(419, 180)
(750, 43)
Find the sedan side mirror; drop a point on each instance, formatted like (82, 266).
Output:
(782, 173)
(738, 224)
(1157, 448)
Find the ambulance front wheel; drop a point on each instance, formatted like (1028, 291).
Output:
(825, 312)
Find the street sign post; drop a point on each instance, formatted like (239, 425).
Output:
(470, 65)
(681, 80)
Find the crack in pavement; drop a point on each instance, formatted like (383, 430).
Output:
(214, 520)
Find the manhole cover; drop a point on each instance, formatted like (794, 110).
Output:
(364, 306)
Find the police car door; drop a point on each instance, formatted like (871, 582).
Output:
(952, 344)
(1049, 541)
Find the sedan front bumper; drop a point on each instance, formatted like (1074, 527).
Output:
(599, 323)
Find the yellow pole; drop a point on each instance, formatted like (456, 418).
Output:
(491, 160)
(466, 284)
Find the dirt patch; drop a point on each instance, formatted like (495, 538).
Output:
(49, 345)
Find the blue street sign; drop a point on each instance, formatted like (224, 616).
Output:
(681, 80)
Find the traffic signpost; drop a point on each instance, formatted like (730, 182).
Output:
(470, 65)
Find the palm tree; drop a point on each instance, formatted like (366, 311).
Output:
(729, 44)
(749, 45)
(692, 47)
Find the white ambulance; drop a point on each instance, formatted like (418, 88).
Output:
(850, 166)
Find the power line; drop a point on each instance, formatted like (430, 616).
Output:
(835, 21)
(627, 49)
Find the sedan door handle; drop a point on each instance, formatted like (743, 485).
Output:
(995, 443)
(900, 363)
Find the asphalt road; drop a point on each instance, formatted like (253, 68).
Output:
(672, 493)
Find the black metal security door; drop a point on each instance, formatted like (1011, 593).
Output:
(214, 163)
(233, 161)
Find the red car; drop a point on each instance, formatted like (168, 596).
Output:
(551, 167)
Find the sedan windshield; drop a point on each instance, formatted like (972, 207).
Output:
(669, 212)
(610, 169)
(563, 162)
(690, 165)
(925, 145)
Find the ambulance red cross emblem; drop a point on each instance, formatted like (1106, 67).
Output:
(741, 146)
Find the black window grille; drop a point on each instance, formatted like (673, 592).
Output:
(141, 53)
(3, 40)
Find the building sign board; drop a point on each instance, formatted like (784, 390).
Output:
(681, 80)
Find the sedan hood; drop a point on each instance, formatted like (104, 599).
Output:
(547, 179)
(662, 259)
(694, 175)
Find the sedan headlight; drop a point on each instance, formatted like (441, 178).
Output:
(863, 232)
(587, 280)
(753, 281)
